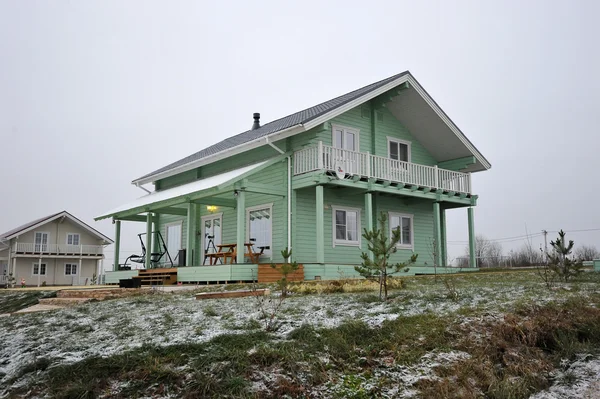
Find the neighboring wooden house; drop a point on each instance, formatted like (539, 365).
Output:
(58, 249)
(312, 181)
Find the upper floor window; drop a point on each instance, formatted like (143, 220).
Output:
(41, 241)
(72, 239)
(405, 223)
(399, 149)
(344, 138)
(346, 226)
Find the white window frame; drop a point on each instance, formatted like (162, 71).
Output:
(33, 273)
(41, 245)
(348, 243)
(345, 129)
(399, 141)
(268, 252)
(71, 273)
(73, 235)
(400, 245)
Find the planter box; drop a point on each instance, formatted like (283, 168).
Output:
(266, 274)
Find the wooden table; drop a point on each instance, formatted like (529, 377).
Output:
(229, 252)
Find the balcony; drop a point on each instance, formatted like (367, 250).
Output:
(363, 165)
(27, 248)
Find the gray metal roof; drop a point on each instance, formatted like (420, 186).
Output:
(27, 225)
(11, 233)
(277, 125)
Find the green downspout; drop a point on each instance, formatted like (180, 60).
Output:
(191, 234)
(444, 242)
(241, 225)
(438, 233)
(148, 239)
(320, 225)
(472, 259)
(369, 216)
(117, 244)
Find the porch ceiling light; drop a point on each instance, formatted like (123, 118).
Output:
(211, 208)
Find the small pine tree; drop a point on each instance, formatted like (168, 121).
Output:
(285, 270)
(382, 249)
(559, 261)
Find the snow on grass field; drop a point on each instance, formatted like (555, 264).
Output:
(161, 319)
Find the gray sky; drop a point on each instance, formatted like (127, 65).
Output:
(96, 93)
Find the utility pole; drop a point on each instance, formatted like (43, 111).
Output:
(545, 232)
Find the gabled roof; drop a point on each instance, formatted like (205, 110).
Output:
(302, 121)
(47, 219)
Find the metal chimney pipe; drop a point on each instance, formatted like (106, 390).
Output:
(256, 123)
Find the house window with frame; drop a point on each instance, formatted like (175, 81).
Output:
(399, 150)
(72, 239)
(405, 223)
(39, 270)
(346, 226)
(259, 222)
(70, 269)
(344, 138)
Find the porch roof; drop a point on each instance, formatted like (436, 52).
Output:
(163, 198)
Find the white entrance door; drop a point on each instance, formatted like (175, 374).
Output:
(345, 142)
(211, 236)
(173, 241)
(41, 242)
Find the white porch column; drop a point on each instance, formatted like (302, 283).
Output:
(14, 271)
(241, 225)
(148, 239)
(39, 271)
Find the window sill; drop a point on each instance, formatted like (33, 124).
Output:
(346, 244)
(405, 247)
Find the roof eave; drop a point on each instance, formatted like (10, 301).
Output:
(278, 135)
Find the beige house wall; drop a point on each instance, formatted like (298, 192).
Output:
(57, 233)
(55, 271)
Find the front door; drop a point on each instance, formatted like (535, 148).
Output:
(41, 242)
(211, 236)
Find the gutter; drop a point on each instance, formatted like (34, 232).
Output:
(138, 185)
(289, 192)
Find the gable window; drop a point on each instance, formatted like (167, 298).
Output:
(344, 138)
(260, 227)
(70, 269)
(399, 150)
(346, 226)
(72, 239)
(39, 270)
(405, 223)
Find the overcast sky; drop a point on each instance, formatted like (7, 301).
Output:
(96, 93)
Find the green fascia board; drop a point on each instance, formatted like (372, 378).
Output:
(259, 188)
(209, 192)
(133, 218)
(172, 211)
(228, 203)
(317, 178)
(457, 164)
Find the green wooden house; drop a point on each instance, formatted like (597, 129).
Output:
(312, 181)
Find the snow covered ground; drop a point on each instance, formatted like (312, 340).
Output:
(114, 326)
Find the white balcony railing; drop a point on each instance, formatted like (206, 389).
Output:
(363, 164)
(58, 249)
